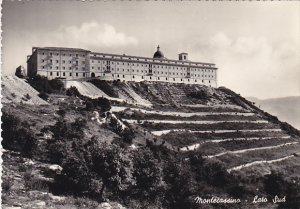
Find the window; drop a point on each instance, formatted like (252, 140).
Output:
(56, 61)
(64, 74)
(43, 67)
(76, 55)
(57, 74)
(76, 74)
(123, 76)
(142, 77)
(133, 76)
(150, 77)
(173, 79)
(51, 73)
(50, 54)
(64, 61)
(83, 74)
(51, 61)
(70, 74)
(56, 68)
(157, 78)
(64, 68)
(83, 62)
(43, 60)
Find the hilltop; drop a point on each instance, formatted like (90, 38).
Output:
(171, 142)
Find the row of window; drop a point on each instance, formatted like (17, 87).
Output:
(64, 74)
(137, 59)
(166, 73)
(64, 68)
(158, 78)
(154, 66)
(64, 61)
(57, 54)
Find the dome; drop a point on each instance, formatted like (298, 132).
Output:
(158, 54)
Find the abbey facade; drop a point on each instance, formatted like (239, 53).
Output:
(73, 64)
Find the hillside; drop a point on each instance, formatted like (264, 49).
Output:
(286, 108)
(178, 129)
(15, 89)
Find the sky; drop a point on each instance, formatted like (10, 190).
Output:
(255, 45)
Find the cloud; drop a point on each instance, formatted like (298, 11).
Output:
(252, 65)
(90, 35)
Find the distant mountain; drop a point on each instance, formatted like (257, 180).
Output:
(286, 108)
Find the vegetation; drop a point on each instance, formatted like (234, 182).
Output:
(17, 135)
(43, 85)
(105, 87)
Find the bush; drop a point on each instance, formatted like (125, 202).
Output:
(44, 96)
(33, 183)
(104, 104)
(56, 84)
(147, 172)
(202, 95)
(7, 183)
(105, 87)
(40, 83)
(89, 105)
(128, 135)
(73, 91)
(17, 135)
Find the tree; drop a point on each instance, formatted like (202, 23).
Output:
(19, 72)
(56, 84)
(115, 167)
(17, 135)
(104, 104)
(40, 83)
(147, 172)
(73, 91)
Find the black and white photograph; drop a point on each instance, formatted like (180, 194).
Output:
(150, 104)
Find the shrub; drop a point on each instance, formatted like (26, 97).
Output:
(7, 183)
(40, 83)
(56, 84)
(275, 184)
(17, 135)
(19, 73)
(73, 91)
(105, 87)
(89, 105)
(147, 172)
(202, 95)
(104, 104)
(127, 135)
(44, 96)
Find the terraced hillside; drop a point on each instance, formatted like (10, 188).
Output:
(179, 140)
(217, 122)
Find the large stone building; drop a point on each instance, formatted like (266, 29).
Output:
(71, 64)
